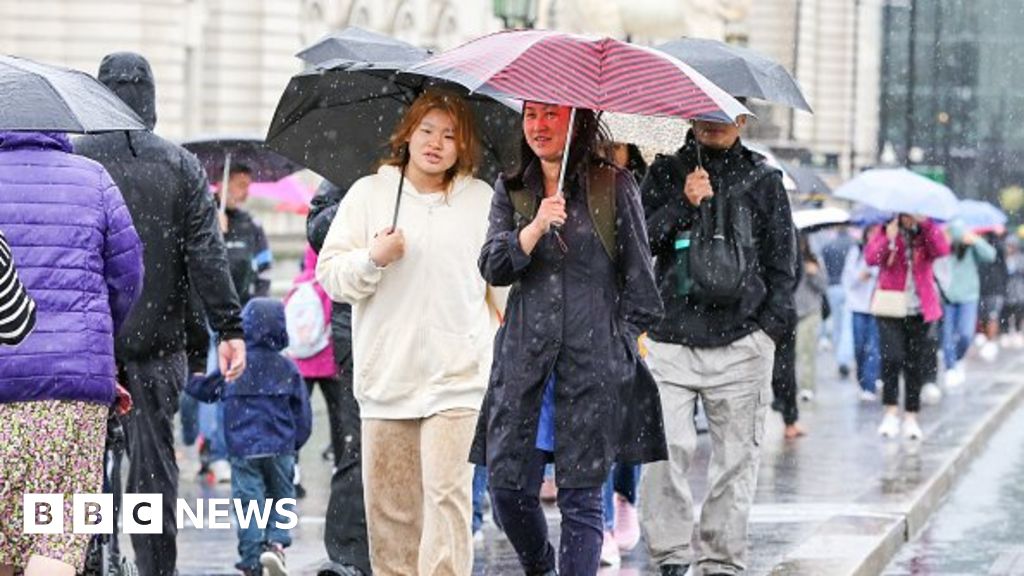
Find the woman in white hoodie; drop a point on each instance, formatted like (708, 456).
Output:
(422, 326)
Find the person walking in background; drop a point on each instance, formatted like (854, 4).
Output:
(268, 420)
(345, 537)
(567, 383)
(715, 342)
(81, 259)
(859, 281)
(17, 308)
(993, 276)
(166, 192)
(1013, 312)
(308, 319)
(834, 257)
(810, 291)
(907, 303)
(961, 290)
(422, 334)
(784, 386)
(249, 255)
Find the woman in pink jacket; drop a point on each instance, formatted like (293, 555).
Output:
(904, 252)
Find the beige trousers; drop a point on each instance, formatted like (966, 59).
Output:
(734, 383)
(418, 492)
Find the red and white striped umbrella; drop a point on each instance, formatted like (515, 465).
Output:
(582, 72)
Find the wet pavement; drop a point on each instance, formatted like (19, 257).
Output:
(977, 529)
(838, 501)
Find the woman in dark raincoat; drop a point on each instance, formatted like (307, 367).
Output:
(569, 342)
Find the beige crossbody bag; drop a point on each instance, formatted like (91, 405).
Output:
(893, 303)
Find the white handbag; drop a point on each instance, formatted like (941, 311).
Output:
(893, 303)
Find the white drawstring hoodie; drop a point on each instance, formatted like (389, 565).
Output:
(423, 327)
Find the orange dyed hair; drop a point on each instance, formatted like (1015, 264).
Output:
(466, 142)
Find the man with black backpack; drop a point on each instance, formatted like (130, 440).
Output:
(721, 231)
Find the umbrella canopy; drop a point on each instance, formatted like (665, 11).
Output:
(981, 215)
(739, 71)
(266, 164)
(39, 97)
(337, 122)
(807, 182)
(865, 216)
(816, 218)
(289, 194)
(902, 191)
(582, 72)
(354, 47)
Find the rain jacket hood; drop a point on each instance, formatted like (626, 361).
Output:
(129, 76)
(263, 324)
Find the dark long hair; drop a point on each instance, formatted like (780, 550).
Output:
(589, 141)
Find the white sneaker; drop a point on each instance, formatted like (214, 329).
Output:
(989, 352)
(890, 426)
(221, 470)
(1018, 340)
(955, 377)
(867, 396)
(911, 430)
(931, 394)
(610, 555)
(807, 395)
(980, 340)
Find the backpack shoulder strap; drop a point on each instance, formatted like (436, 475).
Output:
(524, 203)
(601, 203)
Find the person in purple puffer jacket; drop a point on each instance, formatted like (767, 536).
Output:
(80, 259)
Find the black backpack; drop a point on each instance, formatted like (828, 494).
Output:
(600, 204)
(718, 266)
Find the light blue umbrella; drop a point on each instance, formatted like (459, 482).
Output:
(980, 214)
(901, 191)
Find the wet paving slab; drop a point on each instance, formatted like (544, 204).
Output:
(977, 529)
(838, 501)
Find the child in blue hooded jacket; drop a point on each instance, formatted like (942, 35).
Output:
(267, 417)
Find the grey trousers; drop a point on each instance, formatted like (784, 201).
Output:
(734, 383)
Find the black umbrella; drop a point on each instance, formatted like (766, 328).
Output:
(808, 182)
(337, 122)
(266, 164)
(739, 71)
(218, 153)
(355, 46)
(39, 97)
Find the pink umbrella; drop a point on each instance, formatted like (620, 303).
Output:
(582, 72)
(290, 194)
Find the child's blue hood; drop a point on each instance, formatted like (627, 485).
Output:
(263, 323)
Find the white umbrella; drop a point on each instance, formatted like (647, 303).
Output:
(902, 191)
(820, 217)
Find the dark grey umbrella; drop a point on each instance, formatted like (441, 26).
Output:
(214, 151)
(354, 46)
(739, 71)
(40, 97)
(808, 182)
(218, 154)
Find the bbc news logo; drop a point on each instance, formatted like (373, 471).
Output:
(144, 513)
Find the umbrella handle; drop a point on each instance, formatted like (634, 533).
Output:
(401, 184)
(565, 166)
(565, 151)
(224, 183)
